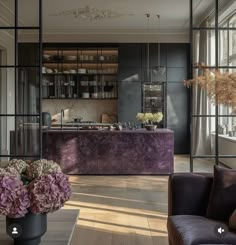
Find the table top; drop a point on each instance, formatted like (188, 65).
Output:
(61, 225)
(137, 131)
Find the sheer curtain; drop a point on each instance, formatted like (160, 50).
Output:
(202, 126)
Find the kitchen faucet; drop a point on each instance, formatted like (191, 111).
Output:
(62, 115)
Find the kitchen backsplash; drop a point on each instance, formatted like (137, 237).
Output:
(89, 110)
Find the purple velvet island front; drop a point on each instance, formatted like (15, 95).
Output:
(111, 152)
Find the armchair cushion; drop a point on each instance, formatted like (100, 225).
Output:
(196, 230)
(189, 193)
(232, 221)
(222, 200)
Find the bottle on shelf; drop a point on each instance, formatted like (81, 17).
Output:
(93, 89)
(85, 89)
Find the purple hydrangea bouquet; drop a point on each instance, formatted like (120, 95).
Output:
(31, 189)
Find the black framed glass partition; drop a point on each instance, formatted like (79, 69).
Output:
(213, 49)
(20, 81)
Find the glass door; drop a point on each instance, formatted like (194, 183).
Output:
(20, 81)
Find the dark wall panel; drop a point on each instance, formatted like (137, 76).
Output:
(177, 115)
(129, 101)
(177, 74)
(129, 77)
(153, 54)
(130, 55)
(177, 54)
(178, 95)
(133, 71)
(130, 74)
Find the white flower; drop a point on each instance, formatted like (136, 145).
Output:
(157, 117)
(140, 117)
(18, 164)
(148, 117)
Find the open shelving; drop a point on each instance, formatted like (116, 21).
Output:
(80, 73)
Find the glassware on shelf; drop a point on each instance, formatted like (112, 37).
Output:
(114, 90)
(101, 58)
(62, 66)
(100, 92)
(69, 90)
(108, 90)
(82, 71)
(93, 89)
(45, 88)
(85, 89)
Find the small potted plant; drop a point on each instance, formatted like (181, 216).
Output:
(30, 190)
(150, 120)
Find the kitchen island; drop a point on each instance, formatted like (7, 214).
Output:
(110, 152)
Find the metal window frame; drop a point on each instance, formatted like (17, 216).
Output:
(15, 28)
(216, 156)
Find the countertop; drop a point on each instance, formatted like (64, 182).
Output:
(79, 124)
(140, 131)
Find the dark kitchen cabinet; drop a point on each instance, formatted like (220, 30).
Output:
(130, 55)
(129, 82)
(177, 54)
(129, 101)
(133, 73)
(178, 117)
(153, 54)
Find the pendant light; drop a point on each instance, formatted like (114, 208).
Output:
(148, 50)
(160, 69)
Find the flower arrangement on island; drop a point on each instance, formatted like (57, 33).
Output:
(37, 187)
(149, 118)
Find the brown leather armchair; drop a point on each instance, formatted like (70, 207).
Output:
(187, 223)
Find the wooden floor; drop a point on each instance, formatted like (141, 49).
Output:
(124, 210)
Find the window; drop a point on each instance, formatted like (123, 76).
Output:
(227, 57)
(214, 47)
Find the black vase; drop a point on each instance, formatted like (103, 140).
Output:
(28, 230)
(46, 119)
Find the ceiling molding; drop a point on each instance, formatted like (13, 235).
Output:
(116, 31)
(108, 38)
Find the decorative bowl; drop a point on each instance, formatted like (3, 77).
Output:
(151, 127)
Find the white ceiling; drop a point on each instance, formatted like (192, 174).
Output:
(127, 14)
(118, 15)
(109, 17)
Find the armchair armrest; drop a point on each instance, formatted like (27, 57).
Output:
(189, 193)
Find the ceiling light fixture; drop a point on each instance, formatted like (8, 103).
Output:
(160, 69)
(148, 49)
